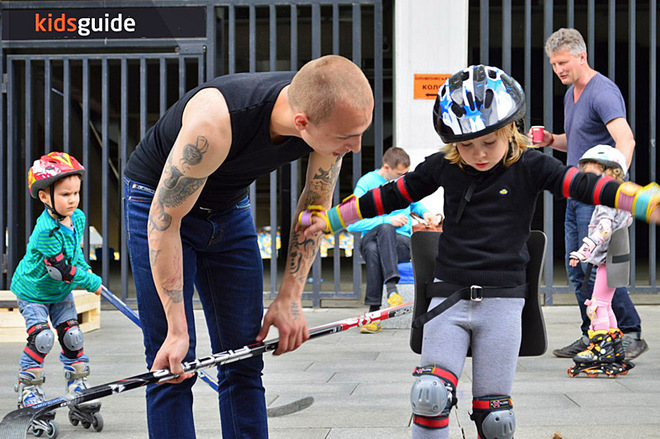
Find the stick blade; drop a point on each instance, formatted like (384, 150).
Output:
(290, 408)
(15, 424)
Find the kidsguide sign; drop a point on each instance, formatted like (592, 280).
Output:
(109, 23)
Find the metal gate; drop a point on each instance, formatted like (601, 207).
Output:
(96, 99)
(81, 104)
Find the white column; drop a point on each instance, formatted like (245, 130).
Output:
(431, 37)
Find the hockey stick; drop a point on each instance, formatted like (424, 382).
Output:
(15, 424)
(272, 412)
(135, 318)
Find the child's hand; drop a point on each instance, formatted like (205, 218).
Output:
(312, 222)
(98, 292)
(654, 217)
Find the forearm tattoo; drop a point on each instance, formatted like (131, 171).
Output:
(302, 249)
(300, 252)
(324, 180)
(295, 311)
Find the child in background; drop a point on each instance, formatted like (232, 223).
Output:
(492, 179)
(605, 352)
(52, 267)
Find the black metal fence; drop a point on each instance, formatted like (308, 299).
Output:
(96, 98)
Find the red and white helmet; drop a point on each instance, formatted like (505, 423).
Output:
(50, 168)
(607, 156)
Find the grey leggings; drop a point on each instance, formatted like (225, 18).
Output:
(492, 328)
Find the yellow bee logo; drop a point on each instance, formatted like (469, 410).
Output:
(503, 191)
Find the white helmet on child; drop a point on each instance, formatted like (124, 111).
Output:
(607, 156)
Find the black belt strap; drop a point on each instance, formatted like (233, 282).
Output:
(454, 293)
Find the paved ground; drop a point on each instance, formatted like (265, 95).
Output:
(361, 383)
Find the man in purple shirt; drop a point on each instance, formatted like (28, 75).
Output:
(594, 114)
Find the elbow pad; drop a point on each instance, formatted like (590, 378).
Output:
(58, 268)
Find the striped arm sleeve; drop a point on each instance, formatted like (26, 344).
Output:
(589, 188)
(381, 200)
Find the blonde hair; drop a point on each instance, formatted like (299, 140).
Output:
(614, 172)
(324, 82)
(518, 143)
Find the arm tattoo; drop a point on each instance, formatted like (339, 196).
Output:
(192, 154)
(175, 295)
(153, 255)
(324, 180)
(176, 188)
(300, 250)
(295, 311)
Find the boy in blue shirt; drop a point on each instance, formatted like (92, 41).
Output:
(52, 267)
(386, 238)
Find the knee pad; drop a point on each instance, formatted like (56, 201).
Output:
(39, 342)
(494, 417)
(432, 396)
(71, 339)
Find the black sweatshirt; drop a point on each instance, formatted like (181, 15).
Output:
(488, 215)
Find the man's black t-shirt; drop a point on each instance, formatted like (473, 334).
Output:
(250, 98)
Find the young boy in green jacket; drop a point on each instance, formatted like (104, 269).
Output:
(52, 267)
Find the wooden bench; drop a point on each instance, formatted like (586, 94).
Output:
(12, 324)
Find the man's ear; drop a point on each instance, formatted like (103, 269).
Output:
(583, 57)
(300, 120)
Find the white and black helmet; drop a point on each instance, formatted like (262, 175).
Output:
(477, 101)
(606, 155)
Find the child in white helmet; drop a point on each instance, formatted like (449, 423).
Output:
(605, 352)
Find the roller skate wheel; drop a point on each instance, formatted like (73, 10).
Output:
(37, 432)
(52, 430)
(572, 373)
(73, 420)
(97, 422)
(85, 424)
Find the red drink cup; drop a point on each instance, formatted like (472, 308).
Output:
(537, 133)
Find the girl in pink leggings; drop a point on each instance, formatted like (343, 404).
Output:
(605, 350)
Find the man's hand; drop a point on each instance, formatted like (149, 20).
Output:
(399, 220)
(287, 316)
(171, 355)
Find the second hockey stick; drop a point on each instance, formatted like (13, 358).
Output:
(272, 412)
(15, 424)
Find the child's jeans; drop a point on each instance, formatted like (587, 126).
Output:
(59, 312)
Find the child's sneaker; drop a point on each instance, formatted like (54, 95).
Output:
(29, 387)
(394, 300)
(371, 328)
(76, 377)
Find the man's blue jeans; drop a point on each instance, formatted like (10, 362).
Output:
(576, 224)
(221, 259)
(59, 312)
(382, 249)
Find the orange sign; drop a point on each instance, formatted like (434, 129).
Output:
(427, 85)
